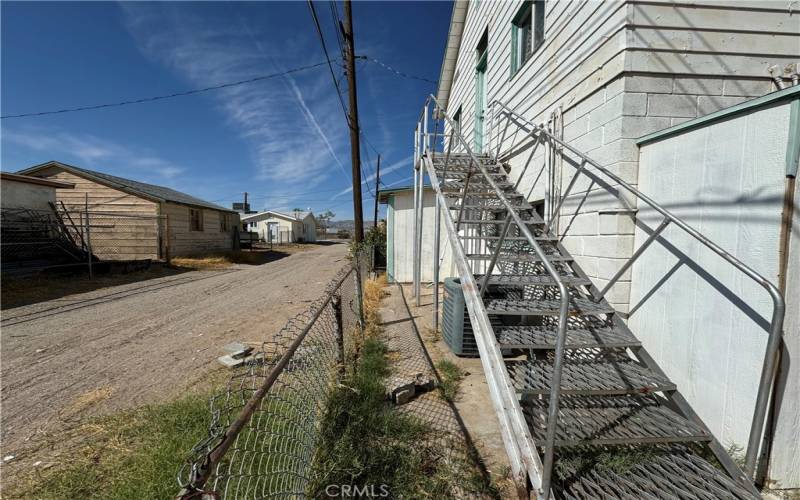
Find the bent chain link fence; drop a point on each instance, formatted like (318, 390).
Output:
(266, 422)
(40, 239)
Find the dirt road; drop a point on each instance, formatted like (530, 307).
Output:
(142, 342)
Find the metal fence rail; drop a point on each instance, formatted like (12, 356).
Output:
(266, 422)
(611, 182)
(61, 236)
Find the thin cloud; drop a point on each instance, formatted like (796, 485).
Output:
(93, 152)
(287, 149)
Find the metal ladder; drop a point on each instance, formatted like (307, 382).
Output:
(568, 379)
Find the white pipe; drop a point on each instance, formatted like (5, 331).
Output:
(773, 71)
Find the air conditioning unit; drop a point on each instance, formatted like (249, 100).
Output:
(456, 327)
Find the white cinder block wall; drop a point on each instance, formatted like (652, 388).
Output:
(619, 71)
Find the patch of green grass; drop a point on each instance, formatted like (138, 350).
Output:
(618, 460)
(130, 455)
(451, 376)
(363, 441)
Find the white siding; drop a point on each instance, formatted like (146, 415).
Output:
(618, 71)
(703, 321)
(400, 216)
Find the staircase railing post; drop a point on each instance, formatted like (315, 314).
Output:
(495, 255)
(436, 237)
(419, 225)
(414, 255)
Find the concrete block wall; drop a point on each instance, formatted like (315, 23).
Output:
(598, 221)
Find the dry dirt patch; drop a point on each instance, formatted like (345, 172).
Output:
(145, 342)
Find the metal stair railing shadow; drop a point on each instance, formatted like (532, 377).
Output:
(516, 434)
(532, 137)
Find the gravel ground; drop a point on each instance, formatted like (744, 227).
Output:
(144, 342)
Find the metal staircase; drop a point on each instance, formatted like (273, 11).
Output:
(569, 381)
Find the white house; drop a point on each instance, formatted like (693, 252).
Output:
(278, 227)
(604, 76)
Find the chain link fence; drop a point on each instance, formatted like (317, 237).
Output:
(121, 236)
(34, 239)
(266, 422)
(40, 239)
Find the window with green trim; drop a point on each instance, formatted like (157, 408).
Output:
(527, 33)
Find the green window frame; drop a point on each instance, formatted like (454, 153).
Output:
(527, 33)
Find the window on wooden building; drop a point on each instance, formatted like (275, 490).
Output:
(527, 33)
(195, 219)
(224, 223)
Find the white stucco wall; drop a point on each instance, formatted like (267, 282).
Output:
(703, 321)
(400, 222)
(26, 195)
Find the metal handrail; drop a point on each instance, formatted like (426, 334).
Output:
(779, 305)
(555, 391)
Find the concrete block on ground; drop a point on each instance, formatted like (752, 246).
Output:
(401, 390)
(237, 349)
(229, 361)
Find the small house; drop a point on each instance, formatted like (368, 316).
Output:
(277, 227)
(134, 220)
(399, 236)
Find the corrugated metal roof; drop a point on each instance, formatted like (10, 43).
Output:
(159, 193)
(295, 216)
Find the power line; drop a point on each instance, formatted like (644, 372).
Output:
(328, 58)
(397, 72)
(169, 96)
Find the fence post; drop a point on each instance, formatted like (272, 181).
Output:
(336, 302)
(88, 236)
(359, 293)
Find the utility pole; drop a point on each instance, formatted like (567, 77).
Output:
(355, 149)
(377, 191)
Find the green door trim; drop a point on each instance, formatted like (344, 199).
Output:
(480, 104)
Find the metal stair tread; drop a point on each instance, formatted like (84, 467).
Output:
(545, 307)
(538, 237)
(593, 375)
(531, 279)
(612, 420)
(521, 257)
(500, 222)
(674, 473)
(544, 337)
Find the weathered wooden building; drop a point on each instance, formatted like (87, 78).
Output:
(135, 220)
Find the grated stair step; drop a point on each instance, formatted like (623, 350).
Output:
(544, 337)
(518, 257)
(668, 473)
(509, 239)
(602, 373)
(496, 222)
(612, 420)
(510, 280)
(545, 307)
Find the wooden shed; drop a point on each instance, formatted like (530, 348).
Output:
(135, 220)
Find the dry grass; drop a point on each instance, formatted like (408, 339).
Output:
(222, 260)
(374, 291)
(86, 401)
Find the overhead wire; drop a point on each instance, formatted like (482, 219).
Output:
(167, 96)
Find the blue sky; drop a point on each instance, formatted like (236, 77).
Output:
(283, 140)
